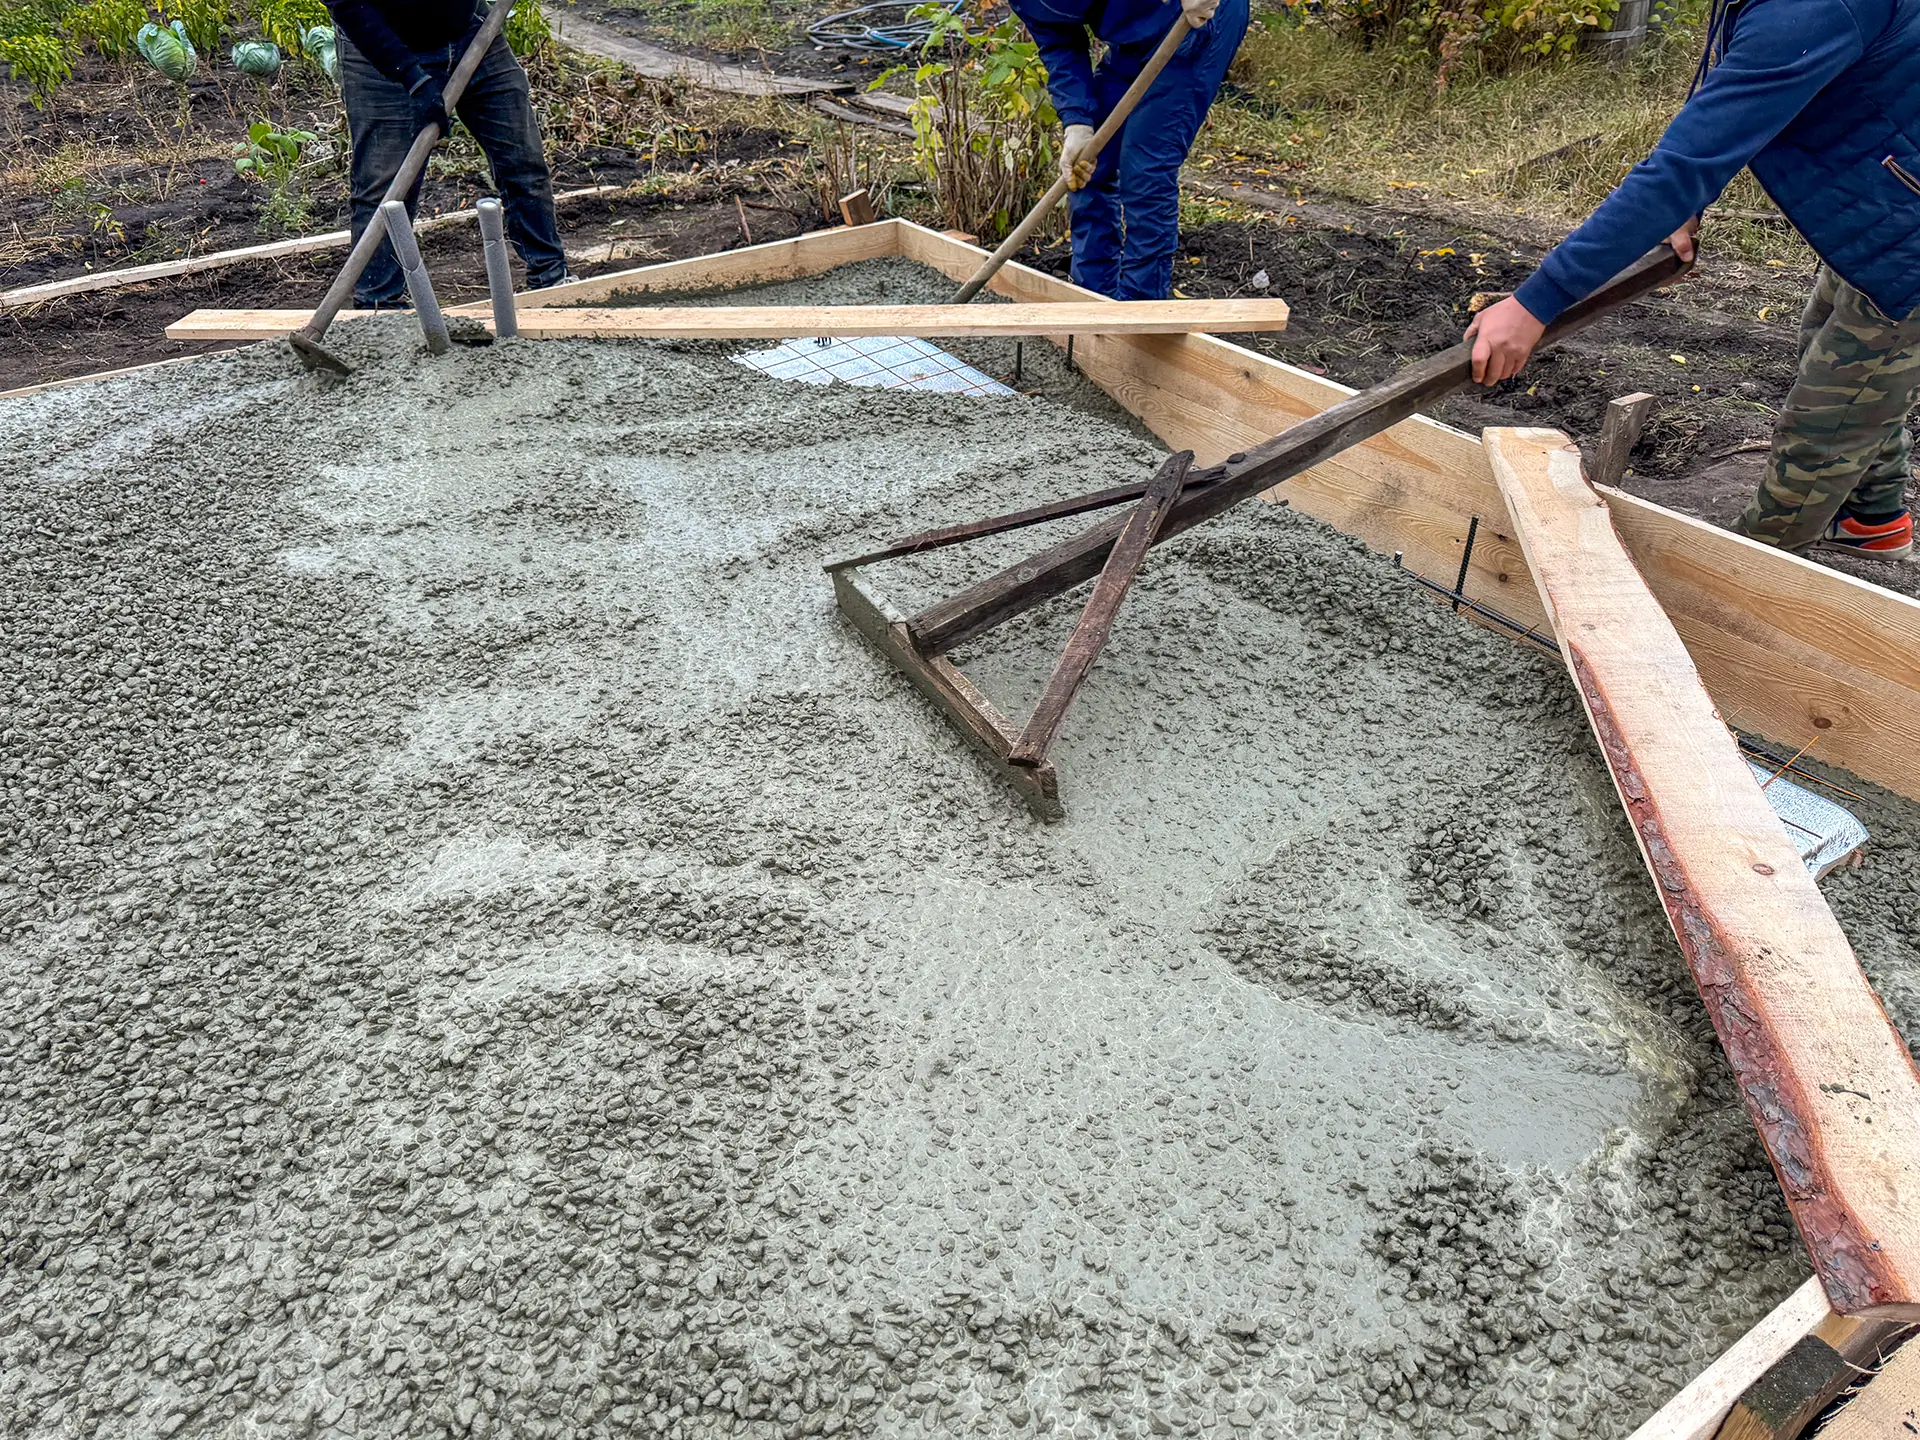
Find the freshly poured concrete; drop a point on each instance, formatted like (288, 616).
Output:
(488, 951)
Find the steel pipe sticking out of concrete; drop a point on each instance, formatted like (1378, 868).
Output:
(400, 232)
(493, 238)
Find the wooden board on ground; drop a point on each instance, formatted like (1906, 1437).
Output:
(1828, 1083)
(787, 322)
(658, 64)
(220, 259)
(1888, 1408)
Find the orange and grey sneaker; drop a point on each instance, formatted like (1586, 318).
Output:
(1881, 539)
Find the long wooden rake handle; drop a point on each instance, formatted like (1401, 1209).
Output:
(1010, 246)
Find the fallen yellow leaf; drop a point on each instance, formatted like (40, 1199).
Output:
(1678, 359)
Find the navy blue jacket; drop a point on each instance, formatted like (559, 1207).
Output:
(1822, 99)
(1059, 28)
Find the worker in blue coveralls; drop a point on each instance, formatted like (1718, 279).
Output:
(1821, 99)
(1125, 205)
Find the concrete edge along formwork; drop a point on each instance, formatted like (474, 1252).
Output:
(1786, 649)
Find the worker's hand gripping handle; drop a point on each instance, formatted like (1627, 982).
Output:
(403, 179)
(1056, 192)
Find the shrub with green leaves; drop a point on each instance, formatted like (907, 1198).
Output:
(529, 33)
(39, 59)
(107, 25)
(983, 121)
(286, 22)
(1487, 37)
(206, 22)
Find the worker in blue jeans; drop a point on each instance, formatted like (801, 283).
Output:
(1125, 205)
(395, 58)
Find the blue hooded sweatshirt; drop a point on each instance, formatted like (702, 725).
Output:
(1822, 99)
(1059, 27)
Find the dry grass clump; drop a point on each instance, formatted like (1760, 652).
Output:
(1549, 142)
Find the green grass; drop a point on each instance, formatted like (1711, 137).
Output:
(1548, 142)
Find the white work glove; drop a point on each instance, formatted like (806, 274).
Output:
(1076, 161)
(1198, 12)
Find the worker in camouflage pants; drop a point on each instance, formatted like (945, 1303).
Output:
(1840, 448)
(1820, 99)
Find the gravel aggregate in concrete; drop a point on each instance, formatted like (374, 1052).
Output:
(486, 951)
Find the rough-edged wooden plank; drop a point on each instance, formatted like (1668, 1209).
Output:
(1827, 1082)
(658, 64)
(1888, 1408)
(989, 732)
(788, 322)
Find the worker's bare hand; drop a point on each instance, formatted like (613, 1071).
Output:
(1682, 240)
(1198, 12)
(1503, 337)
(1076, 159)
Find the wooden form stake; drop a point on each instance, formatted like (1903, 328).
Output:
(1089, 636)
(1827, 1081)
(857, 208)
(1620, 431)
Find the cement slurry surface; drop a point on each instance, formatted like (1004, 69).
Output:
(487, 951)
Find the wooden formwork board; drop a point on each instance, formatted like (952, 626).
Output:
(1788, 649)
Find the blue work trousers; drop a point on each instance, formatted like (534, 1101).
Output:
(498, 108)
(1126, 220)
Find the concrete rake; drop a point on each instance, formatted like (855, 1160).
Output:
(1112, 551)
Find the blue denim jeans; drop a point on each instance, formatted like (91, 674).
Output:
(498, 108)
(1126, 221)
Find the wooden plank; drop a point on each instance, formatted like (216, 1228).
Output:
(1888, 1408)
(1090, 632)
(219, 259)
(787, 322)
(1828, 1083)
(1781, 1404)
(989, 732)
(814, 253)
(658, 64)
(1697, 1412)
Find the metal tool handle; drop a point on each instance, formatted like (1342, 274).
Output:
(419, 285)
(493, 243)
(1010, 246)
(410, 168)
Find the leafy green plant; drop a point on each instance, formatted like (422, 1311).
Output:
(168, 50)
(34, 55)
(983, 121)
(286, 22)
(271, 157)
(206, 22)
(107, 25)
(529, 33)
(1466, 37)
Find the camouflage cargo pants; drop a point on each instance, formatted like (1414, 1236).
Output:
(1841, 440)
